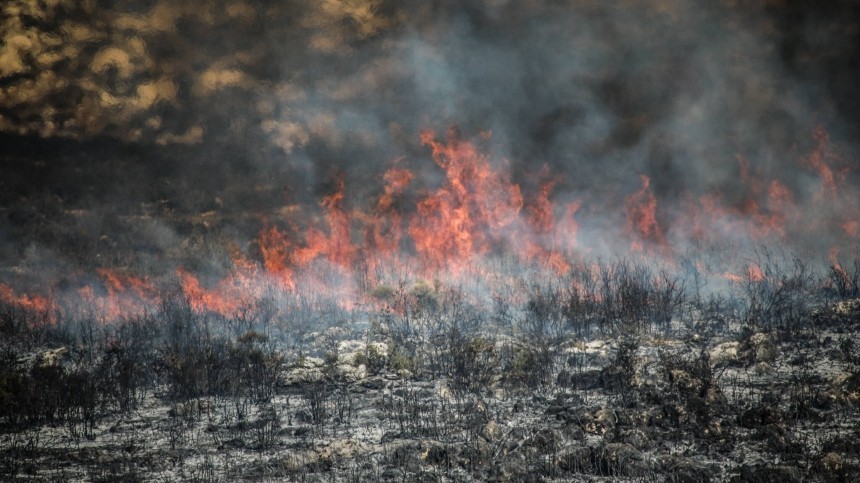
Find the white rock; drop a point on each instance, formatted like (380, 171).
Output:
(724, 353)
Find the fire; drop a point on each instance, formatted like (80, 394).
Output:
(541, 209)
(466, 216)
(227, 297)
(126, 295)
(383, 230)
(753, 274)
(819, 160)
(34, 303)
(341, 249)
(642, 217)
(551, 239)
(275, 250)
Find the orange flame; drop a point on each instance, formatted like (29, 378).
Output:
(34, 303)
(753, 274)
(126, 295)
(642, 217)
(475, 211)
(464, 217)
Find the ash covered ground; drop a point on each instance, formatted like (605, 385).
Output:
(646, 385)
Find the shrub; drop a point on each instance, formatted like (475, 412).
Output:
(474, 363)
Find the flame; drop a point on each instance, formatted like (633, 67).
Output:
(642, 217)
(551, 240)
(753, 274)
(275, 251)
(33, 303)
(836, 267)
(384, 228)
(126, 295)
(455, 229)
(228, 297)
(464, 217)
(819, 161)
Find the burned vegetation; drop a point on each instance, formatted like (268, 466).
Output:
(612, 372)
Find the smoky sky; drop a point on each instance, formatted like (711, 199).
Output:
(150, 124)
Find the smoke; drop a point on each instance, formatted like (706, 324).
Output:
(170, 132)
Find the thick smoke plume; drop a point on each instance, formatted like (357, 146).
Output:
(209, 142)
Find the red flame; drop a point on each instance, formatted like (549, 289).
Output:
(35, 303)
(642, 217)
(753, 274)
(461, 219)
(474, 212)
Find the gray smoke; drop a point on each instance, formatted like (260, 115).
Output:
(166, 130)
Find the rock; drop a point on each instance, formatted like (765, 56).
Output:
(606, 417)
(759, 347)
(342, 449)
(830, 463)
(434, 452)
(297, 461)
(725, 353)
(577, 460)
(310, 363)
(353, 351)
(350, 373)
(513, 467)
(763, 369)
(686, 382)
(300, 375)
(848, 309)
(544, 441)
(491, 431)
(760, 416)
(636, 438)
(594, 347)
(53, 357)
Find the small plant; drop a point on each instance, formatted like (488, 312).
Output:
(399, 361)
(474, 364)
(529, 367)
(777, 293)
(844, 284)
(620, 374)
(372, 358)
(383, 292)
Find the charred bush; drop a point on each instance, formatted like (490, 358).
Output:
(325, 406)
(473, 363)
(620, 374)
(581, 301)
(251, 367)
(416, 415)
(429, 328)
(622, 296)
(607, 460)
(527, 366)
(777, 294)
(844, 283)
(544, 320)
(122, 376)
(692, 378)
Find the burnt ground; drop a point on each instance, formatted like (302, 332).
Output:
(150, 401)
